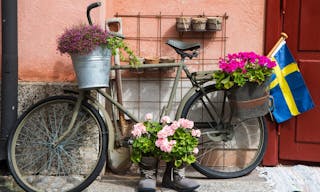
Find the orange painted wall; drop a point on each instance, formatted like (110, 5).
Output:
(245, 25)
(41, 21)
(39, 24)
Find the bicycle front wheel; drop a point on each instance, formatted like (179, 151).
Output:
(228, 147)
(38, 163)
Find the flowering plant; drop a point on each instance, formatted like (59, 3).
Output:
(239, 68)
(82, 39)
(175, 141)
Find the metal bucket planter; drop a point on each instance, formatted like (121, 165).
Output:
(249, 101)
(92, 70)
(199, 23)
(183, 23)
(214, 24)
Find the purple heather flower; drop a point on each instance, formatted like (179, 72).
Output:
(81, 39)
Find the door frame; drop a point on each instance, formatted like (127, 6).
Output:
(274, 10)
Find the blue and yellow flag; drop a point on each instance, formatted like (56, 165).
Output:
(291, 96)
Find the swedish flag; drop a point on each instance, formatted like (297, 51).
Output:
(291, 96)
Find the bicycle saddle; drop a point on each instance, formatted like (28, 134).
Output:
(183, 46)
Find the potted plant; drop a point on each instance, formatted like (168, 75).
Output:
(183, 23)
(90, 48)
(199, 23)
(175, 141)
(245, 75)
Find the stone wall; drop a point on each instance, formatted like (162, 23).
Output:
(30, 93)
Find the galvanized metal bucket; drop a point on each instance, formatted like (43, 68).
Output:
(92, 70)
(249, 101)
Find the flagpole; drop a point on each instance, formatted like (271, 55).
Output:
(283, 37)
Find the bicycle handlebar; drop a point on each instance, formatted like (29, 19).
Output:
(89, 8)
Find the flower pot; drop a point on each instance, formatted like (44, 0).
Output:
(183, 23)
(214, 23)
(138, 71)
(166, 59)
(199, 23)
(249, 101)
(151, 60)
(92, 70)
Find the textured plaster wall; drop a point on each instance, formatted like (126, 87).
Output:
(245, 25)
(39, 24)
(41, 21)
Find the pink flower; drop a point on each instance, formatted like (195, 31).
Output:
(165, 145)
(170, 130)
(138, 130)
(175, 125)
(165, 119)
(162, 134)
(159, 141)
(172, 142)
(148, 116)
(185, 123)
(196, 133)
(196, 150)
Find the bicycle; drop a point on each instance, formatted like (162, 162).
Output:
(59, 143)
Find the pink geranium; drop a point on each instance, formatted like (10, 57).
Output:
(138, 130)
(196, 133)
(185, 123)
(169, 129)
(166, 131)
(148, 116)
(196, 150)
(165, 145)
(175, 125)
(162, 134)
(165, 119)
(176, 141)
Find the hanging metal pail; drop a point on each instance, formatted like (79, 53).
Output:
(249, 101)
(92, 70)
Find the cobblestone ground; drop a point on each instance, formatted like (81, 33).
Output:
(8, 185)
(127, 183)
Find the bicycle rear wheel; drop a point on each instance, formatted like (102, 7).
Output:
(231, 148)
(38, 164)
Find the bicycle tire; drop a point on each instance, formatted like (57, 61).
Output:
(234, 153)
(72, 165)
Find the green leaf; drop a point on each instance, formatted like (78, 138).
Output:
(178, 163)
(228, 85)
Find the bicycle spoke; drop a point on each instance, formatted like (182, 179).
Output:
(228, 147)
(41, 165)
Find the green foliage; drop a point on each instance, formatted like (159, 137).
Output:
(182, 152)
(176, 142)
(145, 144)
(115, 43)
(239, 68)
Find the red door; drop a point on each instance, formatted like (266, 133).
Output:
(299, 137)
